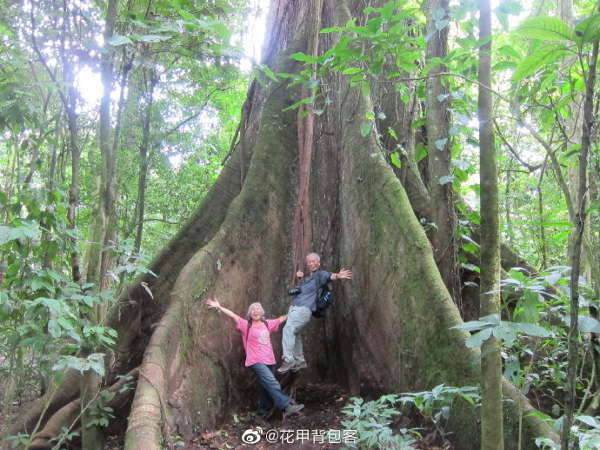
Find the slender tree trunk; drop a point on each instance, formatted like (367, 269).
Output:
(107, 191)
(92, 437)
(492, 436)
(75, 153)
(443, 236)
(541, 216)
(150, 84)
(576, 245)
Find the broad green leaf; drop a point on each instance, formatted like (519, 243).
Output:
(475, 325)
(546, 28)
(588, 420)
(471, 267)
(304, 101)
(446, 179)
(504, 65)
(303, 57)
(588, 325)
(54, 328)
(505, 334)
(186, 15)
(153, 38)
(540, 58)
(40, 283)
(441, 24)
(509, 51)
(461, 164)
(365, 129)
(588, 30)
(526, 310)
(395, 158)
(530, 329)
(117, 40)
(420, 152)
(478, 338)
(441, 143)
(351, 71)
(268, 72)
(53, 305)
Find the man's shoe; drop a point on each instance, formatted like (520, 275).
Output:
(299, 366)
(293, 408)
(285, 367)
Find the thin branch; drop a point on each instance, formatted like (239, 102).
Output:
(162, 220)
(456, 75)
(192, 117)
(525, 164)
(552, 153)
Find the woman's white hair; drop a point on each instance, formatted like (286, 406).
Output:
(253, 305)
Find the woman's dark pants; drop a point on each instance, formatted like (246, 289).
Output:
(270, 389)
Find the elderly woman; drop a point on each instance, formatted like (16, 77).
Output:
(256, 338)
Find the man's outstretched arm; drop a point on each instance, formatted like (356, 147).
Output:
(343, 274)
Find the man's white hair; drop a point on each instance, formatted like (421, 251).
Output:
(316, 255)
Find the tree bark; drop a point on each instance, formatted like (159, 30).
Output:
(576, 246)
(92, 436)
(443, 215)
(150, 82)
(489, 293)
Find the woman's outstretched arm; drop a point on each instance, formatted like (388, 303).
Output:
(214, 303)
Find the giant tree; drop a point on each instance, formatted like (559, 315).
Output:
(392, 326)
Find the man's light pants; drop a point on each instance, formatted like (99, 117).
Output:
(298, 317)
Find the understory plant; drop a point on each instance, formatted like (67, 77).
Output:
(373, 420)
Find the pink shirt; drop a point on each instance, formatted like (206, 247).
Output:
(258, 348)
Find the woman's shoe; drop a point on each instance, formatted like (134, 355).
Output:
(293, 408)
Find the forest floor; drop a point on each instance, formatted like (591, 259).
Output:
(318, 426)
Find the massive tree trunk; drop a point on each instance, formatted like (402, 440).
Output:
(390, 330)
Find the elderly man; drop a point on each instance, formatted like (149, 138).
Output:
(301, 311)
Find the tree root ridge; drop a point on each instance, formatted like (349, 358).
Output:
(69, 415)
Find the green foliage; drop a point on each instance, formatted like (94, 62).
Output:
(374, 419)
(541, 58)
(546, 29)
(362, 51)
(100, 413)
(588, 30)
(42, 312)
(437, 403)
(585, 432)
(502, 330)
(19, 440)
(372, 422)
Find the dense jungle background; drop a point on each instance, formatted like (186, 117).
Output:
(157, 153)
